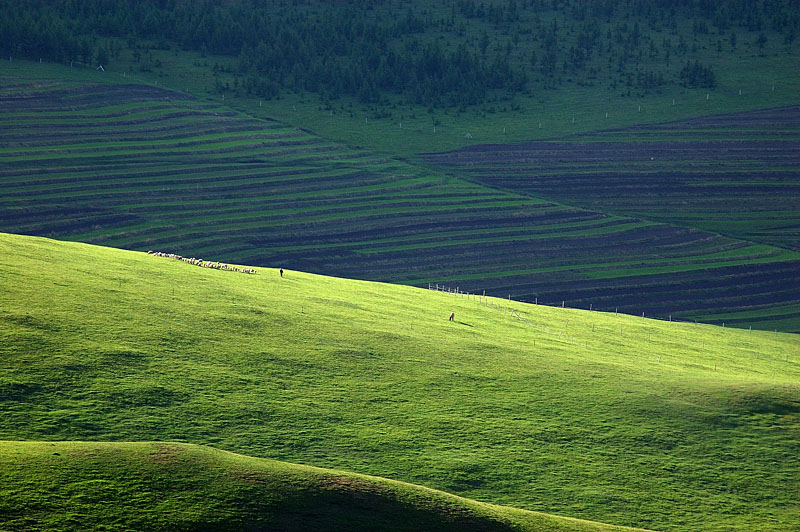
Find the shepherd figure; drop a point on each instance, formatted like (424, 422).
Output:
(452, 316)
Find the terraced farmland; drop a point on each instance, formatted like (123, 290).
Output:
(737, 175)
(141, 168)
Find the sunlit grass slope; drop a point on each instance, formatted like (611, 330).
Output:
(591, 415)
(168, 486)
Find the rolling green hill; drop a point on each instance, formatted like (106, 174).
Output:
(138, 167)
(592, 415)
(80, 486)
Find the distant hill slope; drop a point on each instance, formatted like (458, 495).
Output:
(77, 486)
(593, 415)
(138, 167)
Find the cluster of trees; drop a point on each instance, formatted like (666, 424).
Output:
(443, 52)
(694, 75)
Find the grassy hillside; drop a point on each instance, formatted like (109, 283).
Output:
(174, 486)
(591, 415)
(142, 168)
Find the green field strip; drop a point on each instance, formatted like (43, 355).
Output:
(790, 325)
(326, 194)
(778, 322)
(182, 176)
(728, 216)
(329, 156)
(133, 125)
(254, 148)
(36, 137)
(158, 172)
(731, 226)
(655, 131)
(655, 135)
(145, 116)
(106, 111)
(86, 190)
(122, 109)
(763, 312)
(784, 256)
(332, 182)
(343, 195)
(177, 173)
(470, 188)
(44, 136)
(680, 137)
(677, 169)
(113, 146)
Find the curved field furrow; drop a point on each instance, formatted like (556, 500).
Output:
(141, 168)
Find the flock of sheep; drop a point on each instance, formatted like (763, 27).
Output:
(201, 262)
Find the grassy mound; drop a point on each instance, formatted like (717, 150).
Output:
(591, 415)
(176, 486)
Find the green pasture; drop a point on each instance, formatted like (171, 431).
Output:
(592, 415)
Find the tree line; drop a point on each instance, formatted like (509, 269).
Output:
(443, 52)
